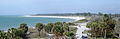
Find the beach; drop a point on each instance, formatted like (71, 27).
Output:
(68, 17)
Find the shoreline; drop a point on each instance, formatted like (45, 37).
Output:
(76, 18)
(67, 17)
(79, 31)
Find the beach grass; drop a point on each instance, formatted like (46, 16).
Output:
(81, 21)
(74, 29)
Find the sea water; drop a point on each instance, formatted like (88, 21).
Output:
(7, 22)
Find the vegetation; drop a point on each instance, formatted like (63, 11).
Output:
(81, 21)
(70, 34)
(49, 27)
(119, 19)
(59, 29)
(39, 27)
(14, 33)
(100, 14)
(103, 28)
(117, 28)
(24, 27)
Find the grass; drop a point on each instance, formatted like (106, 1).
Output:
(81, 21)
(73, 29)
(85, 32)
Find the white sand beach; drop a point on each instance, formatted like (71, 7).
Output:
(69, 17)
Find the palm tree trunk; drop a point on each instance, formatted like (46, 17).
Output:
(39, 33)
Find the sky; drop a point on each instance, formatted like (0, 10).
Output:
(24, 7)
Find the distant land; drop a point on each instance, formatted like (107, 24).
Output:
(73, 14)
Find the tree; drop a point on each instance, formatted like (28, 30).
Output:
(117, 27)
(106, 15)
(101, 28)
(23, 27)
(100, 14)
(66, 28)
(58, 31)
(49, 27)
(3, 35)
(85, 14)
(70, 34)
(89, 13)
(12, 33)
(119, 19)
(39, 27)
(20, 33)
(59, 23)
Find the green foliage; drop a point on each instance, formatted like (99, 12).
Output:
(98, 28)
(119, 19)
(66, 28)
(39, 27)
(87, 14)
(48, 28)
(13, 33)
(106, 15)
(23, 27)
(68, 24)
(100, 14)
(58, 30)
(70, 34)
(3, 35)
(59, 23)
(81, 21)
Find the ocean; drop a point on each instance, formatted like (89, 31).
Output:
(7, 22)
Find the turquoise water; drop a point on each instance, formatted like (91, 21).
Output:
(7, 22)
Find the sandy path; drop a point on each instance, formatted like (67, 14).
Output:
(81, 29)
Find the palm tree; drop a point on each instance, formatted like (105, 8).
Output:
(58, 31)
(23, 27)
(59, 23)
(66, 28)
(3, 35)
(70, 34)
(49, 27)
(39, 27)
(11, 33)
(100, 14)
